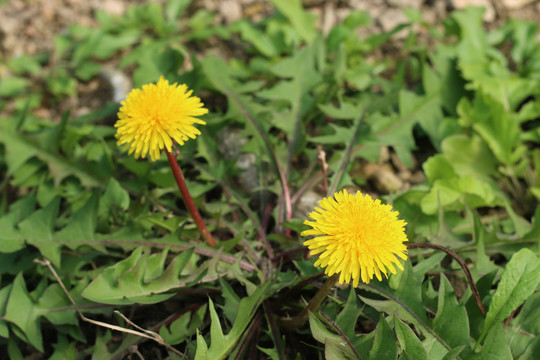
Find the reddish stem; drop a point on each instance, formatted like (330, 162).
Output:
(190, 205)
(463, 265)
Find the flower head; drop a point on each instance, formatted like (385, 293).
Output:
(152, 117)
(360, 237)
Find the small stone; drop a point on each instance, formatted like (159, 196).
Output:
(403, 4)
(230, 10)
(392, 18)
(516, 4)
(489, 14)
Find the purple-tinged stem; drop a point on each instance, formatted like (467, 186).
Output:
(188, 200)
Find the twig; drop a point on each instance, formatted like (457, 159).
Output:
(321, 155)
(474, 289)
(143, 333)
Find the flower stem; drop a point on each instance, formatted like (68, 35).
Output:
(316, 301)
(188, 200)
(463, 265)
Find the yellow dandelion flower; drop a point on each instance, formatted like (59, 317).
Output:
(152, 117)
(360, 237)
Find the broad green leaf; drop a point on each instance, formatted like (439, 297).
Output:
(496, 125)
(125, 282)
(438, 167)
(519, 279)
(451, 322)
(411, 345)
(495, 347)
(347, 318)
(384, 344)
(452, 194)
(469, 155)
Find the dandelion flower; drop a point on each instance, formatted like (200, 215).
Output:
(152, 117)
(359, 237)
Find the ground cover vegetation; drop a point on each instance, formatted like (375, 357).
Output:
(291, 112)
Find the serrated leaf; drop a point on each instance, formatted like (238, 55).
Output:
(37, 229)
(19, 149)
(24, 312)
(10, 238)
(81, 227)
(221, 345)
(183, 327)
(411, 345)
(519, 279)
(124, 282)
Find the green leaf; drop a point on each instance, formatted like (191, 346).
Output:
(183, 327)
(495, 347)
(334, 345)
(175, 8)
(384, 344)
(262, 42)
(4, 294)
(301, 20)
(135, 280)
(221, 345)
(12, 86)
(454, 193)
(24, 64)
(497, 127)
(528, 319)
(19, 149)
(519, 279)
(10, 238)
(38, 228)
(115, 196)
(411, 345)
(81, 228)
(469, 155)
(451, 322)
(346, 319)
(24, 312)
